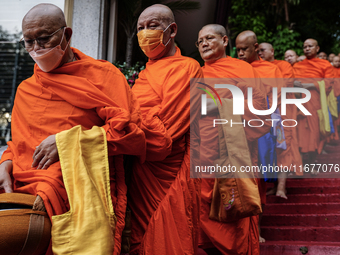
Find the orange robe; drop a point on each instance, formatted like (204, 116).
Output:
(86, 92)
(290, 156)
(269, 74)
(163, 199)
(308, 126)
(240, 237)
(336, 87)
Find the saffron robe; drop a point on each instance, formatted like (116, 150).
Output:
(308, 126)
(336, 88)
(336, 85)
(290, 156)
(271, 75)
(239, 237)
(163, 199)
(85, 92)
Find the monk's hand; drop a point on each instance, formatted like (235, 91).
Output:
(5, 176)
(211, 107)
(39, 204)
(46, 153)
(298, 84)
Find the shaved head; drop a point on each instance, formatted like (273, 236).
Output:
(49, 13)
(291, 57)
(313, 41)
(212, 41)
(162, 12)
(157, 17)
(310, 48)
(322, 55)
(268, 45)
(247, 35)
(218, 29)
(331, 57)
(336, 62)
(48, 20)
(247, 46)
(266, 51)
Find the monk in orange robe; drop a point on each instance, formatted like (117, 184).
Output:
(336, 88)
(247, 50)
(290, 156)
(78, 90)
(331, 58)
(322, 55)
(291, 57)
(163, 199)
(336, 65)
(308, 126)
(240, 237)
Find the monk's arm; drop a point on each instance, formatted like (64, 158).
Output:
(5, 176)
(304, 85)
(329, 79)
(123, 125)
(159, 142)
(7, 154)
(172, 116)
(175, 107)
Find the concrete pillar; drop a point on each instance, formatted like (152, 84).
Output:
(89, 27)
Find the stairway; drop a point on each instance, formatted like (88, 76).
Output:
(309, 221)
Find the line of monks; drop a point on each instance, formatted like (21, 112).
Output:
(169, 210)
(303, 142)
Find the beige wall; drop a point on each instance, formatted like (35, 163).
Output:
(190, 23)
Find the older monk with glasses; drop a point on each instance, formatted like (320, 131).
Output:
(72, 121)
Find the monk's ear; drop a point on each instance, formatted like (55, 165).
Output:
(256, 46)
(317, 48)
(173, 29)
(225, 41)
(68, 33)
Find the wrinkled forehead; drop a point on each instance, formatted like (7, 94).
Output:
(309, 42)
(43, 17)
(263, 47)
(244, 41)
(153, 14)
(39, 21)
(209, 30)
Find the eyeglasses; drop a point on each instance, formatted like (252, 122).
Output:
(41, 41)
(207, 39)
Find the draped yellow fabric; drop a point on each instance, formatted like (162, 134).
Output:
(88, 227)
(325, 127)
(332, 104)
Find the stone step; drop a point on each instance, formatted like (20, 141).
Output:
(298, 248)
(312, 190)
(302, 208)
(298, 233)
(303, 220)
(303, 198)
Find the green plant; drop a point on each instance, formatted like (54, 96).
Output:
(131, 72)
(285, 39)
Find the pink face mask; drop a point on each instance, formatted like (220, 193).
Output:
(49, 59)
